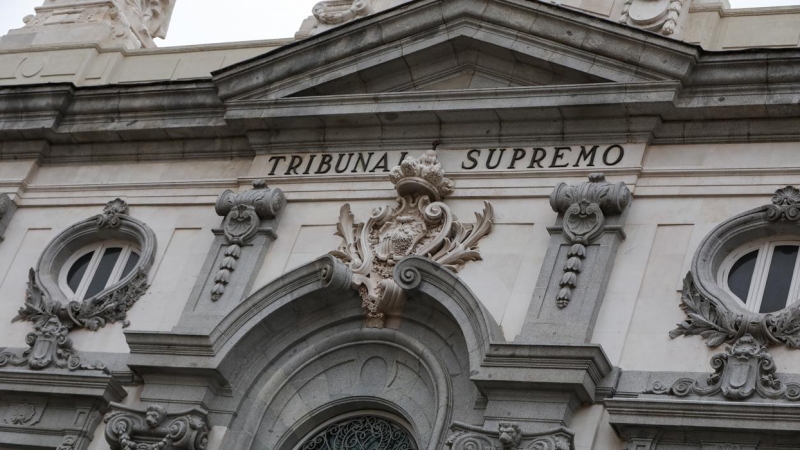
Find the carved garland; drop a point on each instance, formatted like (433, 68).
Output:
(715, 321)
(420, 225)
(243, 213)
(53, 317)
(584, 207)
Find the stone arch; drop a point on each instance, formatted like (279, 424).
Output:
(300, 355)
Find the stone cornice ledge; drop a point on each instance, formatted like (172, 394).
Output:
(629, 414)
(88, 383)
(576, 368)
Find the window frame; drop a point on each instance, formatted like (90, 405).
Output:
(758, 282)
(99, 249)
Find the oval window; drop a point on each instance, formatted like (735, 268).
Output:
(764, 276)
(95, 267)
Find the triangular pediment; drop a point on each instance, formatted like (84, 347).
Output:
(457, 64)
(436, 45)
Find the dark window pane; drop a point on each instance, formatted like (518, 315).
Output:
(103, 271)
(132, 260)
(779, 279)
(78, 269)
(742, 275)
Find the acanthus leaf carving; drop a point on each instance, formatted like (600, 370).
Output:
(507, 437)
(584, 207)
(417, 226)
(708, 318)
(744, 369)
(155, 429)
(243, 213)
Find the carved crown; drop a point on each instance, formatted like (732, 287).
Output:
(423, 176)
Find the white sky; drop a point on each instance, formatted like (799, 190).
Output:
(205, 21)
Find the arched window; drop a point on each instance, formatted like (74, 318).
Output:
(96, 266)
(764, 276)
(360, 432)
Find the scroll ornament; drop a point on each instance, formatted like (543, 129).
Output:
(746, 368)
(508, 437)
(53, 320)
(243, 213)
(420, 225)
(584, 207)
(155, 429)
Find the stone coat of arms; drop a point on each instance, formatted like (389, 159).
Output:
(421, 224)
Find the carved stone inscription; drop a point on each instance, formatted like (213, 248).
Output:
(473, 160)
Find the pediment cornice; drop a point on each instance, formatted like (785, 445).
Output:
(553, 35)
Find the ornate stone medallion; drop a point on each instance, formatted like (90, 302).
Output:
(420, 225)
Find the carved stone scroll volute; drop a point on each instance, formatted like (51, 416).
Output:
(155, 429)
(584, 207)
(243, 213)
(420, 225)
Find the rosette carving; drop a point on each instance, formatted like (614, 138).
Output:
(243, 213)
(420, 225)
(155, 429)
(584, 207)
(746, 368)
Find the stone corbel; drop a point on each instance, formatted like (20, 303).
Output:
(155, 429)
(508, 437)
(579, 259)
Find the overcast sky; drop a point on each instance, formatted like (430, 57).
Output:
(206, 21)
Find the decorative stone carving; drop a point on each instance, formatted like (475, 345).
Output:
(155, 429)
(7, 208)
(112, 213)
(49, 346)
(714, 314)
(68, 443)
(785, 205)
(653, 15)
(334, 12)
(507, 437)
(744, 369)
(129, 23)
(243, 213)
(584, 207)
(717, 324)
(47, 306)
(20, 414)
(420, 225)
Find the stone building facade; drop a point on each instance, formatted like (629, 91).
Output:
(433, 224)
